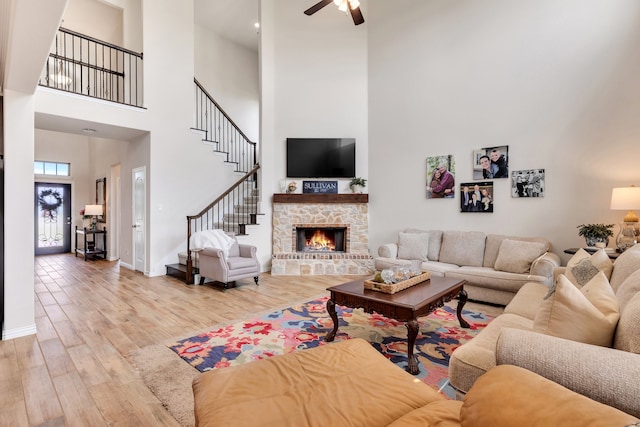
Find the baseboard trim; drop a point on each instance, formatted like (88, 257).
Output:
(125, 265)
(19, 332)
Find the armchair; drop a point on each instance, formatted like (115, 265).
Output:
(240, 262)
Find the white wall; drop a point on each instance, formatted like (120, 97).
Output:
(313, 82)
(73, 149)
(555, 81)
(95, 18)
(229, 72)
(19, 308)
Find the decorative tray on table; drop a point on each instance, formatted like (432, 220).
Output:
(392, 288)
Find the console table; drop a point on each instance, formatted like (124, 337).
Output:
(89, 250)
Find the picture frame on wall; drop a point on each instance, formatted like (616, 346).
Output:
(491, 162)
(476, 196)
(528, 183)
(440, 182)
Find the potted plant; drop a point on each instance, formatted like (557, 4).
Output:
(594, 233)
(357, 184)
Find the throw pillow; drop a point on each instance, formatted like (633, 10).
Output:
(628, 331)
(413, 246)
(628, 289)
(582, 267)
(516, 256)
(588, 315)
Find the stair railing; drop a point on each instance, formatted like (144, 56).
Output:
(87, 66)
(225, 136)
(228, 212)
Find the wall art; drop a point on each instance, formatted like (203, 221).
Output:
(491, 162)
(441, 172)
(476, 196)
(527, 183)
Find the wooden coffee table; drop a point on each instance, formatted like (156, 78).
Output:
(406, 305)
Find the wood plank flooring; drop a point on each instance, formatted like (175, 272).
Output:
(91, 314)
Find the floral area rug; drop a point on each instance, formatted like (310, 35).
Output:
(305, 326)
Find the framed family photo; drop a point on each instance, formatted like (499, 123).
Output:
(491, 162)
(476, 196)
(527, 183)
(441, 183)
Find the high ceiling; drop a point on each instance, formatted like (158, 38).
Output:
(231, 19)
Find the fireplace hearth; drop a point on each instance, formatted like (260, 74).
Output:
(320, 239)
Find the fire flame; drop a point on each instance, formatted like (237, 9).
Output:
(319, 241)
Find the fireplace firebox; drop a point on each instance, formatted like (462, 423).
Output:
(321, 239)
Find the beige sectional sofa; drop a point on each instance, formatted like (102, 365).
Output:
(494, 266)
(556, 337)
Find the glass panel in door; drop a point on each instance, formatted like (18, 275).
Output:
(52, 218)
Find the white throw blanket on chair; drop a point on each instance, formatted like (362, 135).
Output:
(211, 239)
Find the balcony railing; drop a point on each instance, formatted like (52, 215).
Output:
(83, 65)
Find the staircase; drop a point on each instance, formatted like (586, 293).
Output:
(237, 207)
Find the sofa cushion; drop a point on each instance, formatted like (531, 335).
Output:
(441, 413)
(435, 241)
(516, 256)
(628, 331)
(463, 248)
(587, 315)
(477, 356)
(533, 401)
(528, 300)
(492, 246)
(493, 279)
(628, 289)
(582, 266)
(315, 387)
(413, 246)
(624, 265)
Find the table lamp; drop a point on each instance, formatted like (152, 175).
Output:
(93, 211)
(627, 199)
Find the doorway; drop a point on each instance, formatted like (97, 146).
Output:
(139, 218)
(52, 220)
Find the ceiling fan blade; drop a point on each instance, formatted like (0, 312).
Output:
(357, 16)
(316, 7)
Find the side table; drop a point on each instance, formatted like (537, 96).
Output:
(89, 248)
(612, 255)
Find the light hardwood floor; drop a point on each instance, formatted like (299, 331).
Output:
(91, 315)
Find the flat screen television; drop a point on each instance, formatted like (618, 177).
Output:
(321, 157)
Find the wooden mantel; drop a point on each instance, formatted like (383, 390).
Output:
(320, 198)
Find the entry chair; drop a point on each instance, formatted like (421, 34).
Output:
(241, 262)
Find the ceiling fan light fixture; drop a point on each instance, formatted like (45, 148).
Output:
(354, 4)
(343, 6)
(337, 2)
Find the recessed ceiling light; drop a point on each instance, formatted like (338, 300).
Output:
(257, 25)
(89, 131)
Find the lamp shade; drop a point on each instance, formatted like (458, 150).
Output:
(93, 210)
(625, 198)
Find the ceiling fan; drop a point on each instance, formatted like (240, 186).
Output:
(352, 5)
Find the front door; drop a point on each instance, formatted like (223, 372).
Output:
(52, 218)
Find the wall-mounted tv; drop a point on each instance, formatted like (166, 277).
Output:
(321, 157)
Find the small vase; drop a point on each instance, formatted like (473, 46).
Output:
(356, 189)
(591, 241)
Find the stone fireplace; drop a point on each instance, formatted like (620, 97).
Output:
(316, 234)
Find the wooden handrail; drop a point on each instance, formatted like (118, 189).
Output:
(224, 113)
(226, 193)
